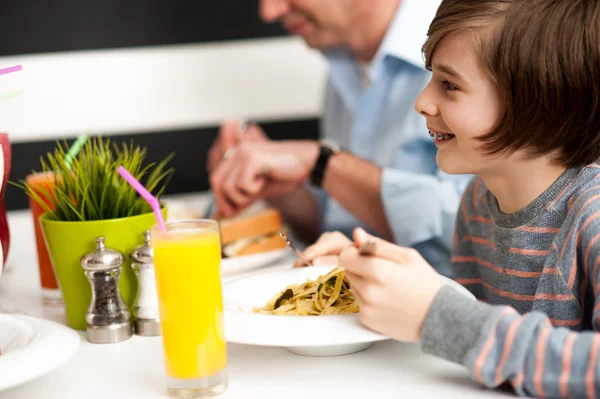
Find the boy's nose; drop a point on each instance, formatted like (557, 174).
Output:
(425, 104)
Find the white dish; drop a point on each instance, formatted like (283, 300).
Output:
(32, 347)
(243, 264)
(305, 335)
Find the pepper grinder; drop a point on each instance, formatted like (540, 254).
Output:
(145, 306)
(108, 319)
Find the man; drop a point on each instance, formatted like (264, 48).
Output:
(386, 179)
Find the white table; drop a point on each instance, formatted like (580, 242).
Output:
(134, 368)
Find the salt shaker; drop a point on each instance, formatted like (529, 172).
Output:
(108, 319)
(145, 306)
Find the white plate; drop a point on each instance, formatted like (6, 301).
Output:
(243, 264)
(306, 335)
(32, 347)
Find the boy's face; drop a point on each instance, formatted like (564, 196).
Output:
(460, 102)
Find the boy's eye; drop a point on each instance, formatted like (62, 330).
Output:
(448, 86)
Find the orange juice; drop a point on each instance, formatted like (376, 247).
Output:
(187, 261)
(43, 183)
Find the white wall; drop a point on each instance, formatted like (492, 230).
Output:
(160, 88)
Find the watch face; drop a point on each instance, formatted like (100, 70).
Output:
(331, 145)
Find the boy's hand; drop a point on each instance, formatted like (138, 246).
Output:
(326, 250)
(394, 287)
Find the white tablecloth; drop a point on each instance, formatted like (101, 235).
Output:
(134, 368)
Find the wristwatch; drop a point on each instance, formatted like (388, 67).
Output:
(327, 148)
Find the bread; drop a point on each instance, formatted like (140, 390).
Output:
(252, 233)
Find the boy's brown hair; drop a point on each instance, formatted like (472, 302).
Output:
(544, 57)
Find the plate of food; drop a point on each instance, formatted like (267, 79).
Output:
(31, 347)
(310, 311)
(251, 240)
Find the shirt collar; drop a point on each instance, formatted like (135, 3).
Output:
(408, 32)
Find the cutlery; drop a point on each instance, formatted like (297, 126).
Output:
(295, 248)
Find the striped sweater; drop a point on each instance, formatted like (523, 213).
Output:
(535, 273)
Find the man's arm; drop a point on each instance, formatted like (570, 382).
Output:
(301, 210)
(351, 181)
(404, 207)
(356, 185)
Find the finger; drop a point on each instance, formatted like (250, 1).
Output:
(382, 248)
(234, 191)
(353, 262)
(332, 245)
(217, 215)
(227, 138)
(231, 134)
(324, 237)
(358, 296)
(355, 280)
(251, 179)
(213, 156)
(326, 260)
(220, 143)
(255, 133)
(324, 249)
(372, 269)
(217, 181)
(356, 285)
(299, 263)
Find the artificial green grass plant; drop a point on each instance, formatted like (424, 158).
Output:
(89, 187)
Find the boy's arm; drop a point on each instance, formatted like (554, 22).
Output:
(533, 353)
(498, 345)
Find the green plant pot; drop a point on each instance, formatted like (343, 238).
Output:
(67, 242)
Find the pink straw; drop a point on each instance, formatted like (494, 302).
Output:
(15, 68)
(145, 194)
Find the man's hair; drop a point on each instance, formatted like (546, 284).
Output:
(544, 57)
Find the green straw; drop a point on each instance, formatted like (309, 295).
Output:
(8, 96)
(74, 150)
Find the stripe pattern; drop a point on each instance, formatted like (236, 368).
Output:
(541, 266)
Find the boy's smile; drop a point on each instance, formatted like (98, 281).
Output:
(440, 138)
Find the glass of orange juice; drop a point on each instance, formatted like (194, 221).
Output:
(43, 183)
(187, 261)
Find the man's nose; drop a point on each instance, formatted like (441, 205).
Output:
(272, 10)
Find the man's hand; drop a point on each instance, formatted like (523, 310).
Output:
(394, 287)
(230, 135)
(258, 169)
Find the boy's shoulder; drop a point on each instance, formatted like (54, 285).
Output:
(585, 195)
(475, 190)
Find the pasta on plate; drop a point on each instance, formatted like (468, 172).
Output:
(329, 294)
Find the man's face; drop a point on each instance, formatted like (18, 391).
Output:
(321, 23)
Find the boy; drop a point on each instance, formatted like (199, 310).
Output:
(515, 99)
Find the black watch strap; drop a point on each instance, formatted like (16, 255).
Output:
(318, 172)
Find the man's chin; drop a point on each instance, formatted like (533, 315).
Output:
(316, 42)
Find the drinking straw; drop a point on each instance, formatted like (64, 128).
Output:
(74, 150)
(145, 194)
(9, 95)
(15, 68)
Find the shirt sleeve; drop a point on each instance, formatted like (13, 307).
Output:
(421, 207)
(534, 354)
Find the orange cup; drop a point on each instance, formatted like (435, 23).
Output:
(42, 183)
